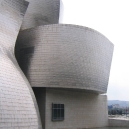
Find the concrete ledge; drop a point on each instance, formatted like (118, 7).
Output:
(118, 122)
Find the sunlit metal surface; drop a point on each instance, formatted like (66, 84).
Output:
(41, 12)
(18, 107)
(65, 56)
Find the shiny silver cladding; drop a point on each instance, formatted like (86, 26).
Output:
(18, 107)
(41, 12)
(65, 56)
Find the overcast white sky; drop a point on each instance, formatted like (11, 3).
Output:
(111, 18)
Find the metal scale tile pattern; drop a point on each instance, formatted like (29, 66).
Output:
(65, 56)
(18, 107)
(41, 12)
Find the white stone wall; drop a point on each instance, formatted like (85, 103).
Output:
(82, 110)
(118, 122)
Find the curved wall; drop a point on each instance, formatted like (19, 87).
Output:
(65, 56)
(41, 12)
(18, 107)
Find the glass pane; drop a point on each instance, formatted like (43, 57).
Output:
(55, 105)
(58, 105)
(58, 114)
(62, 113)
(55, 113)
(62, 105)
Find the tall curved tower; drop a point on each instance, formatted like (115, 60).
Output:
(18, 106)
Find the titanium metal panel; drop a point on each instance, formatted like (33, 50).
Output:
(41, 12)
(18, 107)
(65, 56)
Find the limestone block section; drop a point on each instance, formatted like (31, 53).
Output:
(65, 56)
(119, 122)
(81, 110)
(18, 107)
(41, 12)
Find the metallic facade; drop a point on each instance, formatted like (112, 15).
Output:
(61, 62)
(41, 12)
(18, 106)
(65, 56)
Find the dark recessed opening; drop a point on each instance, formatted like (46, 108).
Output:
(57, 112)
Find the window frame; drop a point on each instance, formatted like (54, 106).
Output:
(57, 112)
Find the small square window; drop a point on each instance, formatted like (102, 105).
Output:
(57, 112)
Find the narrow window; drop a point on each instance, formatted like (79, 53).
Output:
(57, 112)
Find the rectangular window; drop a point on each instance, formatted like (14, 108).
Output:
(57, 112)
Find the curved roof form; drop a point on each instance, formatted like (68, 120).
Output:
(65, 56)
(18, 106)
(41, 12)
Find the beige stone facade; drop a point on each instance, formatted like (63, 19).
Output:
(81, 109)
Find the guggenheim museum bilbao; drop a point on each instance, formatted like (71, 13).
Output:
(51, 75)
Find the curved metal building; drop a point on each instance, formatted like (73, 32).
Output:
(65, 56)
(41, 12)
(68, 66)
(18, 106)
